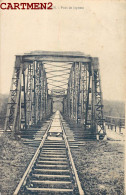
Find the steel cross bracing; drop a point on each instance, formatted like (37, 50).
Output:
(28, 99)
(40, 76)
(83, 102)
(12, 120)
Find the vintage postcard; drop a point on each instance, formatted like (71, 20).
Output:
(62, 97)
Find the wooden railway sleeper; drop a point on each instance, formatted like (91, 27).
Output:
(43, 176)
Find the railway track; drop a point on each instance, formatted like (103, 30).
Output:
(52, 169)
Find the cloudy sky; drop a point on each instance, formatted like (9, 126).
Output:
(98, 30)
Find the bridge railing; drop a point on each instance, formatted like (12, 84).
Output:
(115, 123)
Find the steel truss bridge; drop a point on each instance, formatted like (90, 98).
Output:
(42, 79)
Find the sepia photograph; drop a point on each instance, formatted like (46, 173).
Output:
(62, 97)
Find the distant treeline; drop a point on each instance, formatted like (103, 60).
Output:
(111, 108)
(114, 108)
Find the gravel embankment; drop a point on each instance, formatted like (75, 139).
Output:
(100, 167)
(14, 159)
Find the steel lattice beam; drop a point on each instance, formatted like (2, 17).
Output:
(84, 103)
(28, 100)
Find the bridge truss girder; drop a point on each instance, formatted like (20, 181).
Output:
(83, 102)
(29, 102)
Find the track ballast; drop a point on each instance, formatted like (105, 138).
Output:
(51, 170)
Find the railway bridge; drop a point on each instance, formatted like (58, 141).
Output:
(44, 82)
(55, 104)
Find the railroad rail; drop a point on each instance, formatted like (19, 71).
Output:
(52, 169)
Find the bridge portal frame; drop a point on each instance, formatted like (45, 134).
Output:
(29, 101)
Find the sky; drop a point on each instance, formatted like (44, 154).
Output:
(98, 30)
